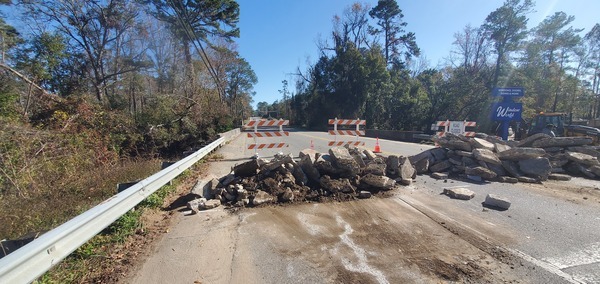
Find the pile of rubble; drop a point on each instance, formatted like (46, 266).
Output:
(534, 159)
(349, 173)
(342, 174)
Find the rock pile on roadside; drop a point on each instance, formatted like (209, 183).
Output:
(341, 174)
(534, 159)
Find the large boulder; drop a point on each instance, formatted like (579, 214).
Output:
(517, 154)
(538, 167)
(487, 156)
(562, 142)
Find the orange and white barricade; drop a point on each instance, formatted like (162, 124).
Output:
(345, 123)
(262, 123)
(456, 127)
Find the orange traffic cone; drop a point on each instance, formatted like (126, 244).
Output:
(312, 146)
(377, 148)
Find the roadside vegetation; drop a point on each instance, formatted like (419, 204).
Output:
(96, 94)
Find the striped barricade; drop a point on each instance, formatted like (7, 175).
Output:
(355, 132)
(456, 127)
(255, 124)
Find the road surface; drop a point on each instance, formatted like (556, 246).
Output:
(415, 235)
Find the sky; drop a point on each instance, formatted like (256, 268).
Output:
(278, 36)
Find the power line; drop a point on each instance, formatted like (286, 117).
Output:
(195, 41)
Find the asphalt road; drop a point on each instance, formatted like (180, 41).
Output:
(550, 234)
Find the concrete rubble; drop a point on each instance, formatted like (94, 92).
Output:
(347, 173)
(534, 159)
(344, 173)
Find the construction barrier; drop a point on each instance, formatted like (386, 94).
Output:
(255, 124)
(355, 132)
(456, 127)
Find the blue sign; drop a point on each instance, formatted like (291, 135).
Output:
(507, 111)
(508, 92)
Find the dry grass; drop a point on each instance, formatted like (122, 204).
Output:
(47, 178)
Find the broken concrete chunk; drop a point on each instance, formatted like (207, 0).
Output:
(247, 169)
(481, 172)
(487, 156)
(463, 153)
(276, 162)
(497, 201)
(377, 182)
(501, 147)
(562, 142)
(312, 153)
(438, 154)
(262, 197)
(439, 175)
(287, 195)
(201, 186)
(422, 166)
(392, 165)
(343, 161)
(528, 179)
(581, 158)
(459, 193)
(336, 185)
(555, 176)
(595, 170)
(364, 194)
(528, 142)
(375, 168)
(512, 168)
(369, 154)
(539, 167)
(194, 205)
(407, 171)
(440, 166)
(479, 143)
(210, 204)
(585, 150)
(506, 179)
(516, 154)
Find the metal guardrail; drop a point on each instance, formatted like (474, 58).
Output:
(34, 259)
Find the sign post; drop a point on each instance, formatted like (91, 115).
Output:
(507, 110)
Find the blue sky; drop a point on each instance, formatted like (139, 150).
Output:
(277, 36)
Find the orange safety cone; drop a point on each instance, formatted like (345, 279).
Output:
(312, 146)
(377, 148)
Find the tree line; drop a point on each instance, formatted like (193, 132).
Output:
(169, 68)
(370, 68)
